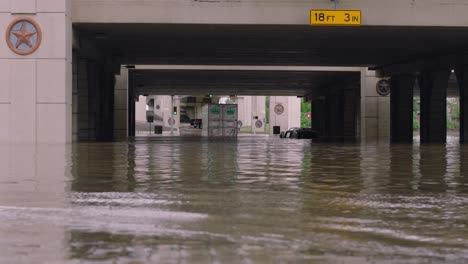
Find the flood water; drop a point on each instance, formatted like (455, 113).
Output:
(254, 200)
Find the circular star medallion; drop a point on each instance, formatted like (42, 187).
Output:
(171, 121)
(279, 109)
(23, 36)
(258, 124)
(383, 87)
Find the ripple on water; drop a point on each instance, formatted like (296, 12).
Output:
(254, 200)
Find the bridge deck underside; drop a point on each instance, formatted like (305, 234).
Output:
(193, 82)
(274, 45)
(383, 47)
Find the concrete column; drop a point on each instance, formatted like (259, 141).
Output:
(318, 116)
(131, 115)
(36, 89)
(258, 109)
(349, 115)
(75, 100)
(433, 85)
(335, 117)
(82, 101)
(284, 115)
(41, 171)
(121, 105)
(401, 105)
(462, 77)
(375, 110)
(105, 103)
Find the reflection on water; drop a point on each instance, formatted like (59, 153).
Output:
(255, 200)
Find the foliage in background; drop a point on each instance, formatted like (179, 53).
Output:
(231, 101)
(416, 113)
(246, 129)
(267, 109)
(306, 108)
(453, 113)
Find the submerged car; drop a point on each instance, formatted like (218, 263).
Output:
(196, 123)
(299, 133)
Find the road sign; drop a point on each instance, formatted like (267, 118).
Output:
(335, 17)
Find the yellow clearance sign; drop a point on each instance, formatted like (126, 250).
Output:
(335, 17)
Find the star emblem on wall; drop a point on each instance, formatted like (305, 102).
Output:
(23, 36)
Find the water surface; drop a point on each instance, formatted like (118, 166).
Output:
(254, 200)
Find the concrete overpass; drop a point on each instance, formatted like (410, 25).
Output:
(86, 43)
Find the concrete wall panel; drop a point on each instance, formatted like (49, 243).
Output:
(23, 97)
(69, 38)
(374, 12)
(294, 111)
(23, 6)
(120, 120)
(372, 107)
(5, 123)
(4, 82)
(5, 6)
(5, 20)
(58, 6)
(35, 90)
(384, 116)
(371, 86)
(55, 35)
(372, 128)
(52, 81)
(50, 123)
(120, 99)
(69, 83)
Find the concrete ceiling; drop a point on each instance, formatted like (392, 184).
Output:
(237, 82)
(298, 45)
(205, 44)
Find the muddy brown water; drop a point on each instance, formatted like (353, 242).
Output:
(254, 200)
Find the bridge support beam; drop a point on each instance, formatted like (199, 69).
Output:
(462, 77)
(335, 117)
(374, 111)
(318, 116)
(121, 105)
(433, 85)
(350, 106)
(401, 108)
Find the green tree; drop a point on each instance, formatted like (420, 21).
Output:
(267, 109)
(416, 113)
(306, 108)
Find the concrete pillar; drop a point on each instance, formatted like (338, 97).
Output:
(462, 77)
(375, 110)
(131, 116)
(258, 109)
(105, 102)
(401, 105)
(75, 131)
(81, 107)
(41, 171)
(121, 105)
(36, 89)
(349, 115)
(335, 117)
(318, 116)
(433, 85)
(285, 111)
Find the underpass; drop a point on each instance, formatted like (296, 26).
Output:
(86, 44)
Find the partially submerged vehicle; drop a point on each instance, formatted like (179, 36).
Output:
(299, 133)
